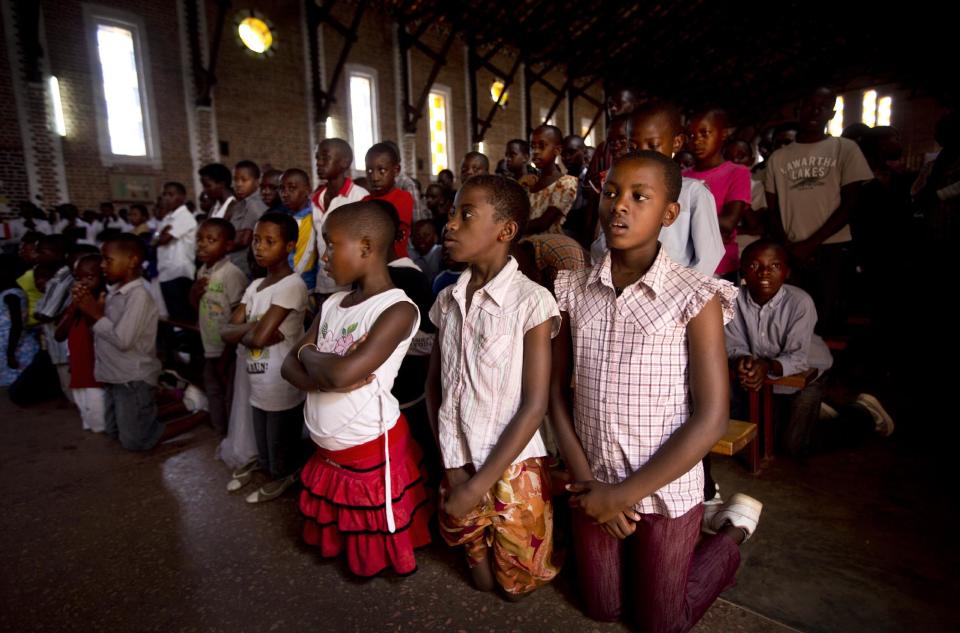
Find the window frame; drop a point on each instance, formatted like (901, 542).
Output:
(447, 95)
(94, 16)
(356, 70)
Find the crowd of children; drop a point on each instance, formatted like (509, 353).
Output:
(420, 350)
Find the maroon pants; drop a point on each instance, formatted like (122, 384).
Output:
(665, 577)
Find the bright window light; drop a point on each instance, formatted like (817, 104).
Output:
(884, 110)
(543, 115)
(255, 34)
(835, 126)
(59, 125)
(482, 147)
(587, 138)
(121, 90)
(439, 133)
(361, 116)
(869, 108)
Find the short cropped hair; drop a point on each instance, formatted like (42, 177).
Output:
(226, 226)
(376, 219)
(520, 143)
(341, 145)
(288, 226)
(508, 198)
(217, 172)
(178, 186)
(671, 170)
(129, 244)
(385, 148)
(250, 166)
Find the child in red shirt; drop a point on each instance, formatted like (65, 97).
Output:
(383, 166)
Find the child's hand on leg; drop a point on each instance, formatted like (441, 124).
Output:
(621, 526)
(458, 497)
(601, 502)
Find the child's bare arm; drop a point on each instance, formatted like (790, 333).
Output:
(292, 369)
(63, 327)
(196, 291)
(688, 444)
(535, 393)
(331, 372)
(266, 331)
(560, 409)
(434, 388)
(234, 331)
(730, 217)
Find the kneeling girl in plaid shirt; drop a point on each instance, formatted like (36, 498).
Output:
(643, 337)
(491, 368)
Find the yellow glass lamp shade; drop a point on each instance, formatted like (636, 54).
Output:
(496, 89)
(255, 34)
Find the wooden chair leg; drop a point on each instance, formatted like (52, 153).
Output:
(767, 422)
(753, 456)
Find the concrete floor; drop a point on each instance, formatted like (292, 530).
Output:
(97, 539)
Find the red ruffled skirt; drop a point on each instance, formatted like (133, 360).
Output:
(344, 503)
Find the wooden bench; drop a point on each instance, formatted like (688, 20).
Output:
(740, 435)
(764, 399)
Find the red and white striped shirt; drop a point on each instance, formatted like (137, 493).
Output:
(631, 376)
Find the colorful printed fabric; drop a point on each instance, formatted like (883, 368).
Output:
(515, 519)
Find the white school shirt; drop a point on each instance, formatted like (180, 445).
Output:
(219, 209)
(175, 259)
(350, 192)
(268, 390)
(693, 240)
(340, 420)
(481, 362)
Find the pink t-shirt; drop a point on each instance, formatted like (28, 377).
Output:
(728, 182)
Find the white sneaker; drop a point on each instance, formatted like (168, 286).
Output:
(882, 419)
(740, 511)
(827, 412)
(271, 490)
(710, 509)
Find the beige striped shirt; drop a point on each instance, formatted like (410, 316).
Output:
(481, 360)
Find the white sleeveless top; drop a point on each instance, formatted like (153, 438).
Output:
(340, 420)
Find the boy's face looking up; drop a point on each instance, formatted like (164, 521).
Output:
(424, 237)
(269, 246)
(516, 160)
(117, 264)
(473, 230)
(294, 191)
(634, 205)
(382, 173)
(330, 161)
(764, 273)
(212, 243)
(656, 133)
(707, 136)
(245, 183)
(545, 147)
(470, 167)
(172, 199)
